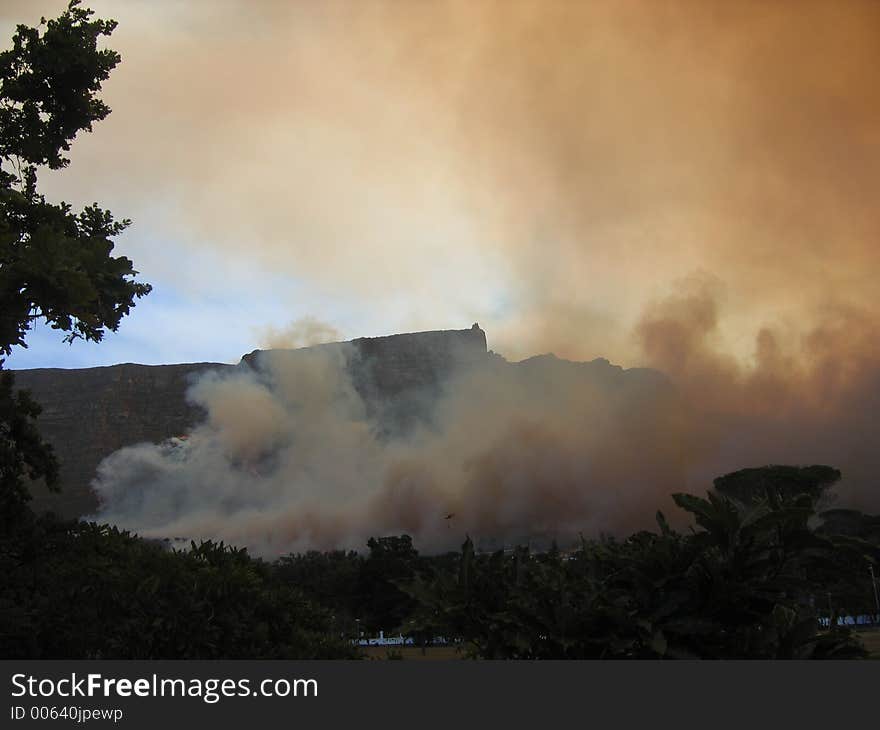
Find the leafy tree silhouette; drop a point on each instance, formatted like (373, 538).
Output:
(55, 264)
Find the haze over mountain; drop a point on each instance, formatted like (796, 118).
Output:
(550, 169)
(429, 434)
(679, 186)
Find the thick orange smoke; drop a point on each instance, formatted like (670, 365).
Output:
(810, 393)
(687, 185)
(544, 167)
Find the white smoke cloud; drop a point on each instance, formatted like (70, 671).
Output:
(288, 457)
(301, 332)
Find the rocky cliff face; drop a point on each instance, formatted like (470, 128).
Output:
(90, 413)
(399, 376)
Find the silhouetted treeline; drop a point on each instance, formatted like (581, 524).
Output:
(87, 591)
(763, 562)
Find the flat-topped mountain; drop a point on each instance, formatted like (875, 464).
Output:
(90, 413)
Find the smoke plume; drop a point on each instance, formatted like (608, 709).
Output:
(544, 167)
(290, 457)
(681, 185)
(302, 332)
(805, 396)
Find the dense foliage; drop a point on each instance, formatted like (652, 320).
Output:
(55, 264)
(88, 591)
(750, 580)
(23, 453)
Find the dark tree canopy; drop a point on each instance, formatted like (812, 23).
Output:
(22, 452)
(50, 78)
(750, 580)
(55, 264)
(779, 482)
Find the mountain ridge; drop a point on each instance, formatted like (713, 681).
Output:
(88, 413)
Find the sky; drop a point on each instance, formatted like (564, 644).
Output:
(573, 176)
